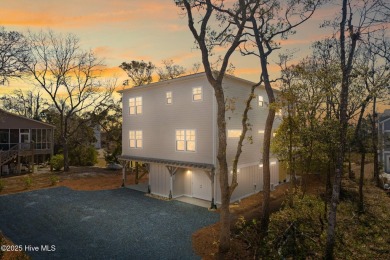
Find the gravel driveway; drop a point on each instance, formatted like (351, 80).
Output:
(109, 224)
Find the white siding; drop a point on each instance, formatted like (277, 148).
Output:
(182, 183)
(239, 92)
(250, 181)
(159, 180)
(201, 185)
(159, 121)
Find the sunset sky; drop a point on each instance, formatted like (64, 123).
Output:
(124, 30)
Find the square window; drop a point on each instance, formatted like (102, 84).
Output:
(234, 133)
(138, 104)
(261, 101)
(135, 138)
(169, 97)
(197, 94)
(135, 105)
(185, 140)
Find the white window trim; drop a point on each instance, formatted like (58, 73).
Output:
(136, 112)
(201, 94)
(185, 141)
(167, 98)
(135, 139)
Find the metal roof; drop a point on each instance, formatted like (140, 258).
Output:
(183, 78)
(167, 162)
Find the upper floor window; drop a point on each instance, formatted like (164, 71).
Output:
(169, 97)
(234, 133)
(135, 105)
(278, 112)
(135, 139)
(185, 140)
(197, 94)
(261, 101)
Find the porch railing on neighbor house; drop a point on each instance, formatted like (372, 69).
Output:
(14, 151)
(8, 155)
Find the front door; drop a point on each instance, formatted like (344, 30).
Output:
(201, 185)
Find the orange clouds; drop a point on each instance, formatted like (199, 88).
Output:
(68, 14)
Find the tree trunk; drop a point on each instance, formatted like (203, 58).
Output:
(267, 132)
(267, 171)
(346, 67)
(224, 235)
(66, 154)
(375, 142)
(351, 174)
(361, 181)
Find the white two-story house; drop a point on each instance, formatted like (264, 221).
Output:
(171, 125)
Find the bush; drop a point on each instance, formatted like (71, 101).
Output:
(57, 162)
(296, 231)
(53, 179)
(83, 155)
(28, 181)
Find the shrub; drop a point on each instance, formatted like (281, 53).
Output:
(297, 230)
(28, 181)
(83, 155)
(112, 157)
(53, 179)
(57, 162)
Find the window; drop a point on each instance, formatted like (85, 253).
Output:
(135, 105)
(135, 139)
(278, 112)
(261, 131)
(234, 133)
(185, 140)
(261, 101)
(197, 94)
(169, 97)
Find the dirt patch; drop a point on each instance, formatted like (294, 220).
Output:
(78, 178)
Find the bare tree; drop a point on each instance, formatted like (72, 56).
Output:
(368, 15)
(13, 53)
(229, 36)
(169, 70)
(71, 79)
(30, 104)
(139, 72)
(272, 19)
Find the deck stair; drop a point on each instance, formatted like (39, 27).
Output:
(7, 156)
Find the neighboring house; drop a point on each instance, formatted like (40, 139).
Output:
(384, 143)
(172, 126)
(23, 141)
(98, 136)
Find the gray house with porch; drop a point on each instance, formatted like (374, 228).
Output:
(23, 142)
(384, 140)
(171, 127)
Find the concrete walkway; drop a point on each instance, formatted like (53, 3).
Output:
(110, 224)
